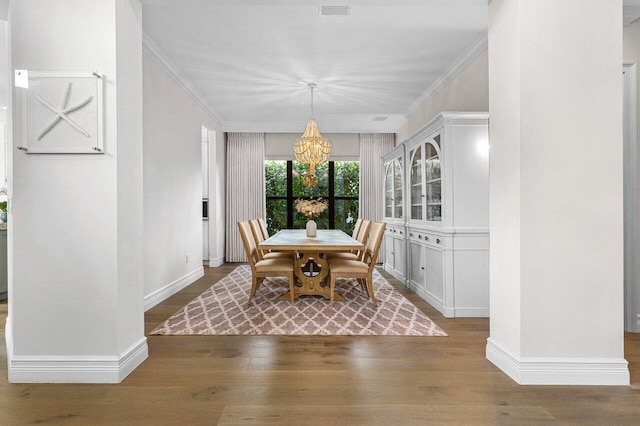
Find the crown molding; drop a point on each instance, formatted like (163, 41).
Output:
(374, 127)
(150, 48)
(445, 78)
(449, 118)
(630, 14)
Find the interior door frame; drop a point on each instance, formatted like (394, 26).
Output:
(630, 188)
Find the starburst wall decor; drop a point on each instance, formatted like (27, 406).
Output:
(62, 112)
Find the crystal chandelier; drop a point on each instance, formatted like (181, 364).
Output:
(311, 148)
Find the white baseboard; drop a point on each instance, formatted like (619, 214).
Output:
(559, 371)
(218, 261)
(638, 323)
(77, 369)
(471, 312)
(432, 300)
(170, 289)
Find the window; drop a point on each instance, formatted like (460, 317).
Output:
(338, 184)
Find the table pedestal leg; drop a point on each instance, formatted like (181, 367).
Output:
(311, 280)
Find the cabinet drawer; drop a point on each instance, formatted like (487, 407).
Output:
(428, 238)
(395, 232)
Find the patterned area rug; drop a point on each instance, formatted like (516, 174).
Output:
(223, 309)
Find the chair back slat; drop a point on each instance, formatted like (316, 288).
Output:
(258, 236)
(374, 241)
(356, 228)
(250, 247)
(363, 233)
(263, 226)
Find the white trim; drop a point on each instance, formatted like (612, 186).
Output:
(471, 312)
(435, 302)
(445, 78)
(630, 14)
(449, 118)
(159, 57)
(77, 369)
(133, 357)
(559, 371)
(630, 166)
(215, 262)
(170, 289)
(390, 125)
(8, 339)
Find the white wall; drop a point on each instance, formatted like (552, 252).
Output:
(468, 91)
(173, 183)
(74, 227)
(556, 191)
(344, 146)
(504, 193)
(631, 53)
(130, 318)
(217, 179)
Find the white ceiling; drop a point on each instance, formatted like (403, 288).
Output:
(250, 60)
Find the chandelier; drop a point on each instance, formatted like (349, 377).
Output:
(311, 148)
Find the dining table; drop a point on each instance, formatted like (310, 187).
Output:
(310, 255)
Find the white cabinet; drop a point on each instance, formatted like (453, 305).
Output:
(395, 242)
(395, 251)
(393, 164)
(447, 220)
(425, 181)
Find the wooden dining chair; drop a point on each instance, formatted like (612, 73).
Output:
(258, 236)
(362, 270)
(356, 227)
(361, 236)
(263, 226)
(261, 269)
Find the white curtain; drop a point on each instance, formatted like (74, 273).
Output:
(372, 147)
(245, 187)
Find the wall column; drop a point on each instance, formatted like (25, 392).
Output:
(75, 222)
(556, 191)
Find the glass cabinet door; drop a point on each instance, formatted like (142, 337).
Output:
(416, 185)
(433, 182)
(397, 186)
(388, 192)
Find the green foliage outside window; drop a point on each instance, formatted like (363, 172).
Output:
(344, 195)
(275, 178)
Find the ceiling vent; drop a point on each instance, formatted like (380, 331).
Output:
(379, 119)
(334, 11)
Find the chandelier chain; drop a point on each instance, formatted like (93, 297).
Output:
(312, 86)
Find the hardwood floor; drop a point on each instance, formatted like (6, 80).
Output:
(318, 380)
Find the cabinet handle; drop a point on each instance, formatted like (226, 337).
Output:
(437, 240)
(419, 237)
(426, 238)
(422, 267)
(411, 235)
